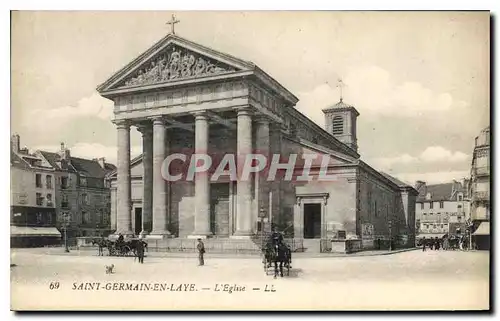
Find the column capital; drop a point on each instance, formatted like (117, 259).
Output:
(244, 111)
(144, 129)
(122, 124)
(262, 120)
(200, 114)
(157, 120)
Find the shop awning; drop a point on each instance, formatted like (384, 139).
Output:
(483, 229)
(27, 231)
(430, 236)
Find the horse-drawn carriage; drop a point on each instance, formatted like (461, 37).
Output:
(276, 256)
(119, 248)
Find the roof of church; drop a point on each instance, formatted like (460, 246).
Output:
(339, 106)
(245, 66)
(396, 181)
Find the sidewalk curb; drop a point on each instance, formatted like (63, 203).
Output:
(85, 253)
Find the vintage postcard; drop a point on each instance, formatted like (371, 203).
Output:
(252, 160)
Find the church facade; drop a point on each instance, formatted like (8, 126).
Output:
(186, 98)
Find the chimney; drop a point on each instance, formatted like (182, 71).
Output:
(102, 162)
(15, 143)
(64, 153)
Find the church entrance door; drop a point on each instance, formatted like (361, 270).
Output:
(312, 221)
(219, 209)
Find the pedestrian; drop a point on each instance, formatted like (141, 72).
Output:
(424, 243)
(201, 251)
(446, 244)
(140, 251)
(438, 244)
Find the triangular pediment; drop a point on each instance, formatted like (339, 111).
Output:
(173, 59)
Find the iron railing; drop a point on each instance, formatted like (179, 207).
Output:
(482, 195)
(482, 170)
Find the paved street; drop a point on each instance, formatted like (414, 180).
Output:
(408, 280)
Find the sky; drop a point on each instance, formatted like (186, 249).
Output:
(420, 80)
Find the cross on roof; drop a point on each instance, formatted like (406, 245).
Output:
(172, 23)
(341, 86)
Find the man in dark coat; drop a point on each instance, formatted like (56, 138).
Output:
(201, 251)
(140, 251)
(424, 243)
(276, 237)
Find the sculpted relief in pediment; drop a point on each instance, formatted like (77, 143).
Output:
(175, 63)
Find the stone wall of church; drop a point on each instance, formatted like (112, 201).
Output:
(340, 193)
(380, 203)
(340, 204)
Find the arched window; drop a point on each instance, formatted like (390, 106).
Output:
(337, 125)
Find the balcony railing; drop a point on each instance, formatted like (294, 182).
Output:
(483, 170)
(482, 195)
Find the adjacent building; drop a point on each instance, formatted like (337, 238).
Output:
(33, 204)
(441, 209)
(185, 97)
(73, 190)
(479, 189)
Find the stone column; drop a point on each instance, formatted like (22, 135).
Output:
(261, 184)
(244, 187)
(159, 184)
(275, 187)
(202, 183)
(123, 193)
(147, 177)
(298, 219)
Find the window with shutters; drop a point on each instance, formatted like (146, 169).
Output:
(337, 125)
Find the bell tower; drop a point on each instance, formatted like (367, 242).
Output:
(340, 121)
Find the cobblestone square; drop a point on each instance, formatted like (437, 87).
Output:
(409, 280)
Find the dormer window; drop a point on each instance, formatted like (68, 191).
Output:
(428, 196)
(337, 125)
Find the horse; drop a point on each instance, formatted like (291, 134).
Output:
(278, 253)
(133, 244)
(118, 248)
(101, 244)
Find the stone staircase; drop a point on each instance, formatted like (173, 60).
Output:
(212, 245)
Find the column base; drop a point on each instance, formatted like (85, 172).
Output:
(115, 235)
(195, 235)
(124, 233)
(159, 235)
(242, 235)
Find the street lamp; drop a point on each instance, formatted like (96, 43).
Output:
(262, 214)
(66, 223)
(390, 235)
